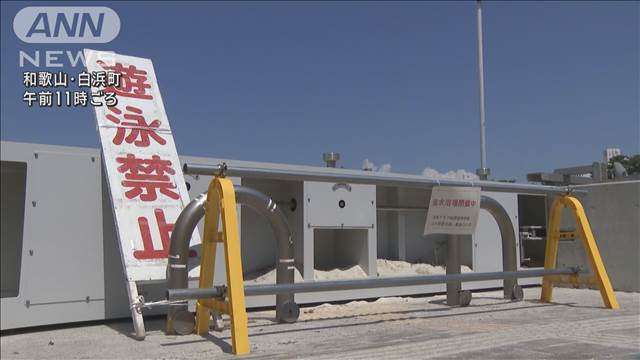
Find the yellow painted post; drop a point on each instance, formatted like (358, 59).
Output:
(593, 254)
(600, 277)
(551, 250)
(208, 255)
(221, 204)
(238, 312)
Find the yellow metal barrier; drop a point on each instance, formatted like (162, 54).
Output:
(221, 205)
(583, 231)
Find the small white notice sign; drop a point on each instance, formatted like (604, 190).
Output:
(453, 210)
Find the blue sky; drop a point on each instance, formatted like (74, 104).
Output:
(393, 82)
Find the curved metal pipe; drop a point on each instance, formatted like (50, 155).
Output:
(285, 266)
(177, 271)
(509, 262)
(185, 225)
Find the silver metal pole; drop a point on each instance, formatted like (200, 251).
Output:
(337, 285)
(366, 177)
(483, 172)
(178, 317)
(453, 268)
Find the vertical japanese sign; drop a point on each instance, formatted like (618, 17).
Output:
(144, 174)
(453, 210)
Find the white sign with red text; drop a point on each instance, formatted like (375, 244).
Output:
(453, 210)
(145, 178)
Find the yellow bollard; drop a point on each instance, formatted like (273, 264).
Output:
(221, 204)
(600, 277)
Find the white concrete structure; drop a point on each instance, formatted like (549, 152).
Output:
(61, 263)
(608, 153)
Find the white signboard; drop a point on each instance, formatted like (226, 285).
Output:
(453, 210)
(146, 183)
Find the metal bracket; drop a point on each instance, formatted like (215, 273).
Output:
(222, 172)
(567, 235)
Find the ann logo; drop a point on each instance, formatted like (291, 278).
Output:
(95, 24)
(41, 25)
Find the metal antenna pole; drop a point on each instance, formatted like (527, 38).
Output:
(483, 171)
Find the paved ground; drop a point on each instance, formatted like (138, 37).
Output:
(575, 326)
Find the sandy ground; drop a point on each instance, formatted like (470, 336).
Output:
(385, 268)
(574, 326)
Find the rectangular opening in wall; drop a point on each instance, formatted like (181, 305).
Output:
(340, 254)
(12, 197)
(532, 227)
(426, 255)
(403, 250)
(259, 244)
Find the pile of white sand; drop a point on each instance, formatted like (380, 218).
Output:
(268, 276)
(386, 268)
(353, 272)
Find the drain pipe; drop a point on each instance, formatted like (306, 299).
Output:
(179, 320)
